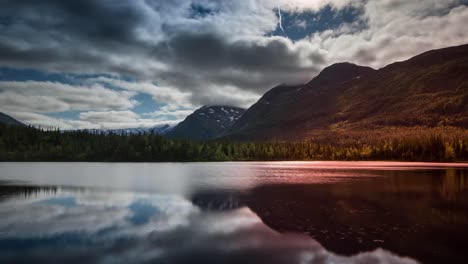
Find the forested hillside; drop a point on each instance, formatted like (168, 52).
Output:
(19, 143)
(429, 90)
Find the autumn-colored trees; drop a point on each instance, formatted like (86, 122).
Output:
(31, 144)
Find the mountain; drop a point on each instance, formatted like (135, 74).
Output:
(208, 122)
(429, 90)
(6, 119)
(160, 129)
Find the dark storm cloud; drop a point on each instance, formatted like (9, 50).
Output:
(219, 51)
(211, 51)
(99, 21)
(12, 55)
(59, 33)
(254, 65)
(132, 38)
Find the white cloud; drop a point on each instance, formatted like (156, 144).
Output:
(396, 31)
(110, 116)
(47, 122)
(119, 119)
(166, 95)
(99, 120)
(186, 60)
(47, 97)
(170, 112)
(301, 5)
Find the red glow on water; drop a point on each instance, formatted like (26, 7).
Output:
(368, 165)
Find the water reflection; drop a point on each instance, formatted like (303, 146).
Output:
(232, 212)
(189, 178)
(118, 227)
(423, 214)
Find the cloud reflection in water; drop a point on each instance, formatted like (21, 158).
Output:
(122, 227)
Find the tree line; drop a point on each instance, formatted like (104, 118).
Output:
(31, 144)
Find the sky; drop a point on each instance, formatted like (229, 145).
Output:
(105, 64)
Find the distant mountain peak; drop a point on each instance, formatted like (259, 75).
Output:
(217, 106)
(207, 122)
(158, 129)
(6, 119)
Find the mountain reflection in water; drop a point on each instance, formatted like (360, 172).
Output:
(233, 213)
(67, 226)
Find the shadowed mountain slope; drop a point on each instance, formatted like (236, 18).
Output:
(6, 119)
(208, 122)
(429, 90)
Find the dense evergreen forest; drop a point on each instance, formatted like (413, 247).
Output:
(30, 144)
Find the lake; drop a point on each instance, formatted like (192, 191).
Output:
(234, 212)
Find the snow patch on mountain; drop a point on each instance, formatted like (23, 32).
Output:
(208, 122)
(160, 130)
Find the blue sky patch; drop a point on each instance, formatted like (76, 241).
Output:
(74, 115)
(146, 103)
(298, 25)
(11, 74)
(200, 11)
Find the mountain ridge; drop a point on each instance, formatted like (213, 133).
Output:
(158, 129)
(6, 119)
(207, 122)
(430, 89)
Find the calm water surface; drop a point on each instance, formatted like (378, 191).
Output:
(280, 212)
